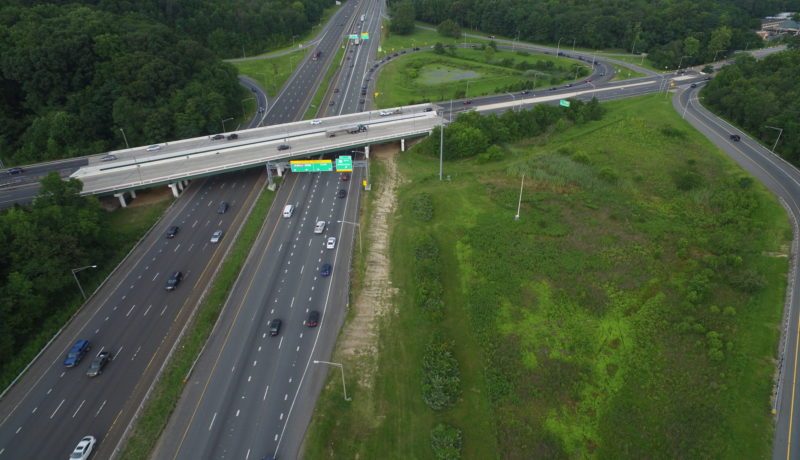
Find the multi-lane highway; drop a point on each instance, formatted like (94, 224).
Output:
(135, 318)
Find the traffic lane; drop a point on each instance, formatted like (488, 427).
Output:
(314, 377)
(202, 400)
(97, 331)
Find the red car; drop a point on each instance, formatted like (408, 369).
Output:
(468, 101)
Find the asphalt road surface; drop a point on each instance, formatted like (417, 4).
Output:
(135, 318)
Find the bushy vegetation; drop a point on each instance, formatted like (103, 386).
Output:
(446, 442)
(472, 134)
(441, 385)
(623, 316)
(666, 29)
(758, 94)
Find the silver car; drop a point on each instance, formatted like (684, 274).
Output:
(153, 148)
(216, 236)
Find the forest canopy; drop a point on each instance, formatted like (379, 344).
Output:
(665, 29)
(73, 76)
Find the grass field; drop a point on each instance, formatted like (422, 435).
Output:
(631, 312)
(468, 72)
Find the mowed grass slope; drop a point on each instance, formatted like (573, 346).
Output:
(631, 312)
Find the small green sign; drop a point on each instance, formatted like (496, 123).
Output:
(564, 103)
(311, 165)
(344, 163)
(352, 36)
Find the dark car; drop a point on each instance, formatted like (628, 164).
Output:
(313, 319)
(222, 208)
(345, 177)
(693, 85)
(172, 231)
(568, 85)
(429, 109)
(735, 137)
(285, 146)
(76, 353)
(468, 101)
(325, 270)
(416, 49)
(525, 91)
(233, 136)
(274, 327)
(174, 281)
(341, 193)
(217, 137)
(98, 363)
(15, 171)
(332, 103)
(553, 88)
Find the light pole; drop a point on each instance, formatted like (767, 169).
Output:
(681, 61)
(223, 123)
(715, 55)
(466, 93)
(634, 44)
(519, 204)
(594, 88)
(441, 142)
(514, 45)
(340, 366)
(293, 37)
(124, 137)
(780, 131)
(76, 270)
(513, 101)
(360, 247)
(573, 45)
(558, 45)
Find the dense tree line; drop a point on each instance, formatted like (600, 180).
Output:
(762, 97)
(666, 29)
(72, 76)
(39, 245)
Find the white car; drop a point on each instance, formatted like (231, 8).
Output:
(331, 242)
(216, 236)
(153, 148)
(84, 449)
(316, 122)
(384, 113)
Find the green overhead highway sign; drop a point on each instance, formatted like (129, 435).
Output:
(364, 36)
(311, 165)
(344, 163)
(352, 36)
(564, 103)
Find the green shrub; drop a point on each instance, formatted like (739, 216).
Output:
(446, 442)
(422, 207)
(441, 383)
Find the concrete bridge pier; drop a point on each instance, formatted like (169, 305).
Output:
(177, 188)
(121, 197)
(402, 144)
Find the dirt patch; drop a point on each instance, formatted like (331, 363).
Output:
(360, 337)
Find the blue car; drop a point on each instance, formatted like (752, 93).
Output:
(76, 353)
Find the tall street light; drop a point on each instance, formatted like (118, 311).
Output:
(519, 205)
(76, 270)
(124, 137)
(223, 123)
(558, 45)
(681, 61)
(360, 247)
(441, 141)
(342, 369)
(780, 131)
(715, 55)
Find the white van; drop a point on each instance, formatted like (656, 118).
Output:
(288, 210)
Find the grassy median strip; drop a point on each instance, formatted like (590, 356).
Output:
(168, 390)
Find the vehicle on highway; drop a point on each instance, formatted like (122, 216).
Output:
(153, 148)
(288, 210)
(325, 270)
(76, 353)
(319, 227)
(429, 109)
(108, 158)
(468, 101)
(261, 110)
(216, 236)
(341, 193)
(172, 231)
(217, 137)
(351, 129)
(174, 281)
(222, 207)
(693, 85)
(345, 177)
(274, 327)
(568, 85)
(284, 147)
(98, 363)
(84, 448)
(15, 171)
(331, 244)
(735, 137)
(315, 122)
(332, 103)
(233, 136)
(336, 90)
(313, 319)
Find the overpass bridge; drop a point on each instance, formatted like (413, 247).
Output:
(175, 163)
